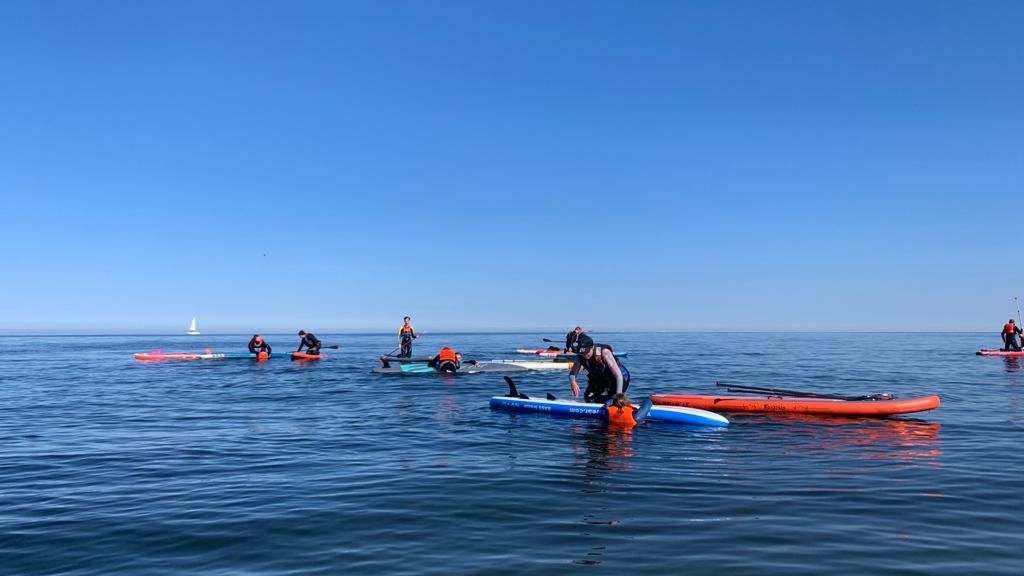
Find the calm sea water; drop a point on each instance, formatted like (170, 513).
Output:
(115, 466)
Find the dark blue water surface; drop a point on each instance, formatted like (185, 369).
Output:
(220, 467)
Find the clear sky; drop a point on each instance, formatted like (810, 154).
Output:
(506, 165)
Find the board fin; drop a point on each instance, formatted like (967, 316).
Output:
(551, 396)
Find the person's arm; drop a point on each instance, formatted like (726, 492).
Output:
(434, 361)
(609, 360)
(572, 376)
(400, 336)
(302, 342)
(269, 349)
(252, 346)
(568, 340)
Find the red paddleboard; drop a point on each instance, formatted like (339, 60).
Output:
(800, 405)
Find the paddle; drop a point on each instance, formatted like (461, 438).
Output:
(797, 394)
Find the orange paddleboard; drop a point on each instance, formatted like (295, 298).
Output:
(800, 405)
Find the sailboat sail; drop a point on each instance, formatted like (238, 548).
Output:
(192, 330)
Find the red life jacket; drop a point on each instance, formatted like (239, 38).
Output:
(446, 354)
(621, 416)
(1009, 328)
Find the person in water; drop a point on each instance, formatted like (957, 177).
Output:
(621, 414)
(258, 346)
(448, 361)
(1010, 331)
(406, 334)
(570, 339)
(311, 342)
(605, 375)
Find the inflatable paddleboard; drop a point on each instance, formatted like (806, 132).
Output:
(984, 352)
(800, 405)
(467, 368)
(575, 408)
(558, 354)
(157, 355)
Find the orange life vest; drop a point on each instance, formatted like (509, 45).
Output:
(405, 329)
(1009, 328)
(446, 355)
(621, 416)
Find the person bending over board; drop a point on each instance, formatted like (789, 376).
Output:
(448, 361)
(258, 346)
(570, 339)
(621, 414)
(605, 375)
(1010, 331)
(406, 334)
(311, 342)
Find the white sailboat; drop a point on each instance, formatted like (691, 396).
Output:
(192, 330)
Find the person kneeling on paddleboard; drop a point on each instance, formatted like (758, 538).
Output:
(259, 347)
(311, 342)
(621, 414)
(1009, 334)
(605, 376)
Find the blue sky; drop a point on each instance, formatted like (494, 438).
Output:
(510, 165)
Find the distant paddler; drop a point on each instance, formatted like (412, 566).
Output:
(259, 347)
(448, 361)
(406, 334)
(571, 338)
(606, 377)
(1009, 334)
(311, 342)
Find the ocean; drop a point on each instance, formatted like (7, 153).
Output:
(113, 466)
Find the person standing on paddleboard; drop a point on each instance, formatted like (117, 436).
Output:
(606, 377)
(406, 334)
(1010, 331)
(258, 346)
(570, 339)
(311, 342)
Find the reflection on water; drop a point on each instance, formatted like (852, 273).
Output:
(907, 441)
(1012, 363)
(600, 449)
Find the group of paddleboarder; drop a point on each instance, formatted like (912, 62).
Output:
(307, 340)
(607, 378)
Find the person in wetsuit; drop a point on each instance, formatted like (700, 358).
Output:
(605, 375)
(257, 345)
(406, 334)
(447, 360)
(1009, 334)
(311, 342)
(570, 339)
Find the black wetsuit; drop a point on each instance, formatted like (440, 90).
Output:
(1010, 339)
(405, 343)
(570, 341)
(600, 378)
(311, 342)
(256, 348)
